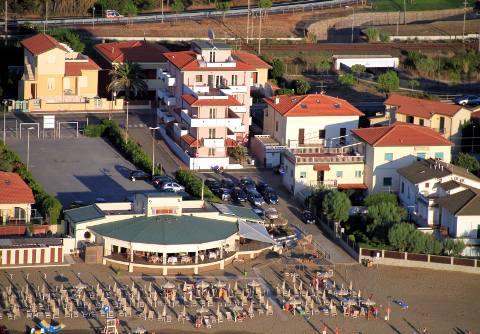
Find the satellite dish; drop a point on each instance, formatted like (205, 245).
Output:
(211, 34)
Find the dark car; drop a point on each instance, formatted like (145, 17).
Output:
(247, 183)
(468, 100)
(255, 198)
(239, 195)
(259, 212)
(139, 175)
(213, 184)
(228, 183)
(262, 186)
(271, 197)
(308, 217)
(158, 180)
(224, 193)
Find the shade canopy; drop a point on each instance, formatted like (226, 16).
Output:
(254, 231)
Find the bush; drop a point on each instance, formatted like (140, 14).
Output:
(384, 36)
(278, 69)
(193, 185)
(358, 68)
(380, 198)
(467, 161)
(94, 130)
(285, 91)
(336, 205)
(373, 35)
(69, 37)
(388, 82)
(302, 87)
(347, 79)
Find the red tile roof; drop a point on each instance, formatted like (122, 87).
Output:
(14, 190)
(251, 59)
(190, 141)
(75, 68)
(312, 105)
(352, 186)
(420, 107)
(135, 51)
(475, 114)
(41, 43)
(196, 102)
(401, 134)
(187, 61)
(229, 142)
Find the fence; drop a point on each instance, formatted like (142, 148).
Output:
(405, 259)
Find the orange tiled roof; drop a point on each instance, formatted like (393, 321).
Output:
(250, 58)
(190, 141)
(41, 43)
(14, 190)
(401, 134)
(312, 105)
(229, 142)
(421, 107)
(75, 68)
(196, 102)
(135, 51)
(187, 61)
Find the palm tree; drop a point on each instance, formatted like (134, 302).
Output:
(128, 77)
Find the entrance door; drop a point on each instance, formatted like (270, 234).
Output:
(343, 133)
(301, 136)
(33, 90)
(320, 176)
(219, 81)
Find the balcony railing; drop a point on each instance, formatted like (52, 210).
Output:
(325, 183)
(167, 79)
(309, 155)
(210, 122)
(214, 142)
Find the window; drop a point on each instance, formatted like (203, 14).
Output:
(358, 173)
(389, 156)
(255, 77)
(303, 175)
(321, 134)
(421, 122)
(212, 56)
(213, 113)
(87, 235)
(439, 155)
(234, 80)
(339, 173)
(51, 83)
(211, 133)
(19, 213)
(387, 181)
(211, 152)
(198, 78)
(442, 125)
(427, 185)
(276, 126)
(403, 187)
(421, 156)
(410, 119)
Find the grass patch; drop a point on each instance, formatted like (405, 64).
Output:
(397, 5)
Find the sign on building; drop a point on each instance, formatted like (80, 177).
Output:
(49, 122)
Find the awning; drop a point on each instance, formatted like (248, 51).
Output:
(321, 167)
(254, 231)
(352, 186)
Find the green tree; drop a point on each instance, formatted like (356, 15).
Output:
(399, 235)
(302, 87)
(278, 69)
(224, 6)
(128, 77)
(347, 79)
(388, 82)
(358, 68)
(324, 65)
(335, 206)
(285, 91)
(381, 217)
(5, 166)
(68, 37)
(380, 198)
(413, 83)
(467, 161)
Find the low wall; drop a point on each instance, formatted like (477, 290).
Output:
(434, 38)
(89, 105)
(413, 260)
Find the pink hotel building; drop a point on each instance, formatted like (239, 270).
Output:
(207, 102)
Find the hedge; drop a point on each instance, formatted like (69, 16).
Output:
(116, 135)
(193, 185)
(48, 205)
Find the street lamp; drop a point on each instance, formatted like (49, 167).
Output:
(353, 19)
(28, 146)
(93, 16)
(5, 102)
(153, 147)
(126, 125)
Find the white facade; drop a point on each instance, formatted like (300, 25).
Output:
(372, 61)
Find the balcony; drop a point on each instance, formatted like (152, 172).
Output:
(167, 79)
(210, 122)
(167, 98)
(214, 142)
(234, 90)
(238, 109)
(312, 155)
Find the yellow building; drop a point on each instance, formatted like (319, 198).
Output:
(56, 78)
(443, 118)
(392, 147)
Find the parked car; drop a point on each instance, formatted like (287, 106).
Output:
(470, 100)
(247, 183)
(262, 186)
(239, 195)
(271, 213)
(213, 184)
(255, 198)
(308, 217)
(158, 180)
(173, 186)
(138, 175)
(112, 14)
(223, 193)
(259, 212)
(228, 183)
(271, 197)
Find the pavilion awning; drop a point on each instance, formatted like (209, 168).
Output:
(254, 231)
(321, 167)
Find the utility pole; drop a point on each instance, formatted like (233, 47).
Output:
(260, 32)
(6, 22)
(248, 19)
(464, 18)
(162, 11)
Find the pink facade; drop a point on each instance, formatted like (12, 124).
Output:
(209, 98)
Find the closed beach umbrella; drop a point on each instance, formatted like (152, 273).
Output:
(350, 286)
(254, 284)
(220, 284)
(164, 312)
(203, 285)
(218, 310)
(300, 286)
(250, 308)
(169, 285)
(202, 310)
(235, 286)
(184, 312)
(283, 285)
(359, 294)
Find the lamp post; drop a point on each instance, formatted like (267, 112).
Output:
(4, 115)
(353, 20)
(153, 147)
(126, 125)
(28, 146)
(93, 16)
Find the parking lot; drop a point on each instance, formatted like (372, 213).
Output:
(79, 169)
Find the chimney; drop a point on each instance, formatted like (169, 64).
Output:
(277, 100)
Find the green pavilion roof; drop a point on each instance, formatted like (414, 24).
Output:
(84, 213)
(167, 230)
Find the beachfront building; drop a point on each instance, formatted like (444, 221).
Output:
(423, 182)
(161, 232)
(56, 78)
(444, 118)
(149, 56)
(314, 132)
(206, 103)
(16, 199)
(388, 148)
